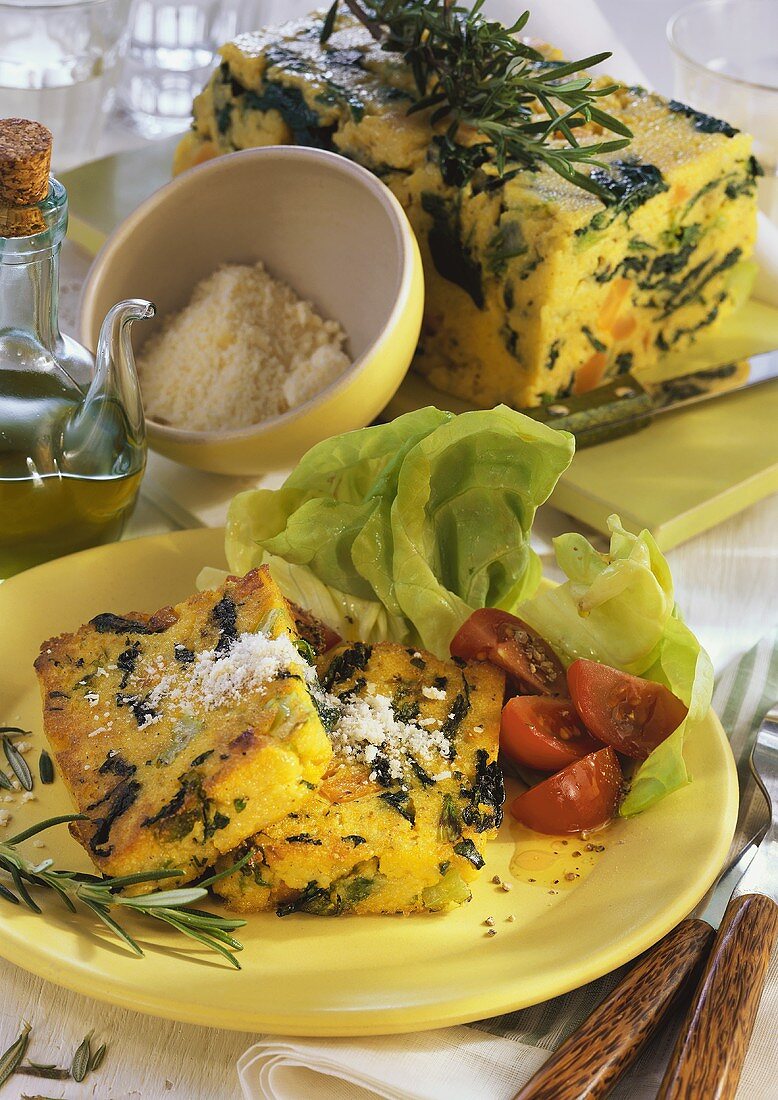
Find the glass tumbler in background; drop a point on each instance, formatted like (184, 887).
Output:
(59, 62)
(171, 54)
(725, 55)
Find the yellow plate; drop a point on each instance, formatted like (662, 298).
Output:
(349, 975)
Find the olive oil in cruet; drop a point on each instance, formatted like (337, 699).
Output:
(72, 438)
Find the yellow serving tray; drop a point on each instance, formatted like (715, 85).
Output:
(101, 194)
(687, 471)
(680, 476)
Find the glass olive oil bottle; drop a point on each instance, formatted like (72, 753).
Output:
(72, 438)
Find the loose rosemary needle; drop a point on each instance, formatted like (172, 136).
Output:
(475, 74)
(82, 1059)
(101, 895)
(12, 1057)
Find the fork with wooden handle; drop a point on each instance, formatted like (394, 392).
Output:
(588, 1064)
(708, 1057)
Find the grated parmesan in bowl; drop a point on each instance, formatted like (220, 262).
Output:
(244, 349)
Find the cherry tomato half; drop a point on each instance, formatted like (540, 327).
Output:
(316, 633)
(584, 795)
(544, 733)
(629, 713)
(499, 637)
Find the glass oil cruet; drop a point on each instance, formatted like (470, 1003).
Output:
(72, 436)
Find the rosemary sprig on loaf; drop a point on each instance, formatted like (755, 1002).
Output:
(476, 75)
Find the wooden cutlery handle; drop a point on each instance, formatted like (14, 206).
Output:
(588, 1064)
(712, 1044)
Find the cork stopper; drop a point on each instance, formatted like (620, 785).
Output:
(25, 160)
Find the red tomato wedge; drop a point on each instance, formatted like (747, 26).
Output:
(584, 795)
(512, 645)
(316, 633)
(629, 713)
(544, 733)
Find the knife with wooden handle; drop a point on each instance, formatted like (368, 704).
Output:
(625, 405)
(711, 1048)
(708, 1057)
(590, 1062)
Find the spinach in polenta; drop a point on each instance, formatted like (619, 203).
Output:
(180, 734)
(401, 819)
(535, 288)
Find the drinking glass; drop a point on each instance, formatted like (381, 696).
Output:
(171, 54)
(725, 54)
(59, 61)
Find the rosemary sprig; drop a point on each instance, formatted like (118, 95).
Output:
(11, 1058)
(83, 1061)
(474, 74)
(100, 895)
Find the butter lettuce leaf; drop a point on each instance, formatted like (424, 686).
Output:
(407, 526)
(613, 608)
(618, 608)
(461, 519)
(354, 619)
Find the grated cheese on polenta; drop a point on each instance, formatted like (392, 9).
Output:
(364, 728)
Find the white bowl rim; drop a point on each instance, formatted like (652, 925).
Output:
(292, 152)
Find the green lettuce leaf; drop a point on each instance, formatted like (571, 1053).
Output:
(618, 608)
(355, 619)
(408, 526)
(460, 522)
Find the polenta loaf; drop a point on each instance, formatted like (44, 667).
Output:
(413, 793)
(535, 289)
(181, 733)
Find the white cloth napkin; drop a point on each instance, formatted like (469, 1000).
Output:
(458, 1063)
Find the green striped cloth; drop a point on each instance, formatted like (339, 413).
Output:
(744, 692)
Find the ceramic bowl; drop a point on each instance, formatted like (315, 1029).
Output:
(326, 226)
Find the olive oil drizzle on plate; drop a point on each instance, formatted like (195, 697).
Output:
(555, 862)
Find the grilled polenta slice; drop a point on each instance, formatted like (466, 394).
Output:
(534, 287)
(412, 795)
(182, 733)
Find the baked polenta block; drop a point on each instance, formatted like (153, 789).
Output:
(534, 288)
(182, 733)
(413, 793)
